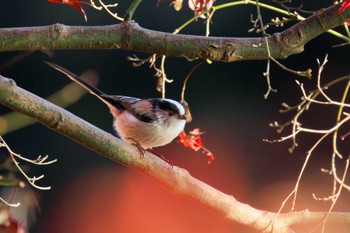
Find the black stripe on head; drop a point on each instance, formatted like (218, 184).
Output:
(165, 105)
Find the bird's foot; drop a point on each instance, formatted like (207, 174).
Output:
(138, 146)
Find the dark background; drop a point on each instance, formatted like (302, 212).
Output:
(92, 194)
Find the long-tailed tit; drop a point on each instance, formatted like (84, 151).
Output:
(145, 123)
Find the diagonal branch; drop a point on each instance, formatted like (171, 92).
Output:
(175, 179)
(130, 36)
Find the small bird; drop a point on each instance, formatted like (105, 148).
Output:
(146, 123)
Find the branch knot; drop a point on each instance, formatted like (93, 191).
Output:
(56, 31)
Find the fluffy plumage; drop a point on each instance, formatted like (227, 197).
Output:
(145, 122)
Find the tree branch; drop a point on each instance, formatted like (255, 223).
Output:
(130, 36)
(175, 179)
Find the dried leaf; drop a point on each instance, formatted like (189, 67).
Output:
(74, 3)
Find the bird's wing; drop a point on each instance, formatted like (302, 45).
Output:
(140, 109)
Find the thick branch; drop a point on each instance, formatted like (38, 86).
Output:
(173, 178)
(131, 36)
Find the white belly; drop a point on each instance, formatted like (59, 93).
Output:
(147, 134)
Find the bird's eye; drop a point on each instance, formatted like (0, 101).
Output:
(171, 113)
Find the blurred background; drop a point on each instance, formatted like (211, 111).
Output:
(92, 194)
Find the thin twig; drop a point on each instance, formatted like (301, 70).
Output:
(267, 72)
(106, 8)
(337, 195)
(39, 161)
(183, 101)
(131, 10)
(306, 73)
(307, 101)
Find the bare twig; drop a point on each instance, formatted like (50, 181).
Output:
(106, 7)
(296, 125)
(262, 29)
(38, 161)
(306, 73)
(290, 9)
(183, 101)
(267, 72)
(335, 196)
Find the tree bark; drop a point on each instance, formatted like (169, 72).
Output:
(130, 36)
